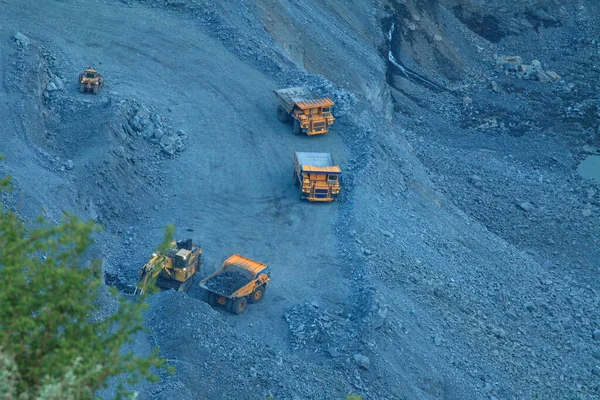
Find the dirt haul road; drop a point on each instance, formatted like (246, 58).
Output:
(233, 185)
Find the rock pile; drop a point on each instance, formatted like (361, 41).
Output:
(533, 71)
(50, 82)
(143, 121)
(314, 327)
(223, 363)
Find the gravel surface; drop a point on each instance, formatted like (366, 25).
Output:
(461, 261)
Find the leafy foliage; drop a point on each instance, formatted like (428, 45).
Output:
(51, 338)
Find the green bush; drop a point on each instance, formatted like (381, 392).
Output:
(51, 345)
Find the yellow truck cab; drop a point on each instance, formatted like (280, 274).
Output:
(309, 113)
(317, 176)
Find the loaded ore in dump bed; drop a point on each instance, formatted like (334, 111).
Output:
(291, 96)
(227, 282)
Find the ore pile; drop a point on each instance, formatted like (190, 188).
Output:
(227, 282)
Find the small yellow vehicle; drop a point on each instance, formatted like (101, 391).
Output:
(238, 282)
(90, 81)
(309, 113)
(175, 269)
(317, 176)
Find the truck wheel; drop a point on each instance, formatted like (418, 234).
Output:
(257, 295)
(82, 88)
(297, 129)
(204, 294)
(212, 298)
(282, 115)
(238, 305)
(95, 89)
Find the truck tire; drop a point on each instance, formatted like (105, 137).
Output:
(257, 295)
(297, 129)
(204, 294)
(82, 88)
(212, 299)
(239, 305)
(282, 114)
(95, 88)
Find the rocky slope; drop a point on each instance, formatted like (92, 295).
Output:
(462, 259)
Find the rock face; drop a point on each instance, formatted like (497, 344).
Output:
(498, 20)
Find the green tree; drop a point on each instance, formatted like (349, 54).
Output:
(52, 344)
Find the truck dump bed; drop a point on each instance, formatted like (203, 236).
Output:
(236, 273)
(293, 95)
(315, 162)
(302, 97)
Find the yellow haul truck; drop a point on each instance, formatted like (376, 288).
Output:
(175, 269)
(308, 112)
(317, 176)
(238, 282)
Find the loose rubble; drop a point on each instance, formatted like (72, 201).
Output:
(531, 71)
(145, 122)
(314, 327)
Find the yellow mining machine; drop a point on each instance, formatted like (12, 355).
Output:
(317, 176)
(309, 113)
(90, 81)
(173, 269)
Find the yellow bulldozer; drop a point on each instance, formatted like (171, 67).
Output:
(309, 113)
(90, 81)
(175, 268)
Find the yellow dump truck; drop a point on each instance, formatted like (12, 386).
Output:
(173, 269)
(238, 282)
(317, 176)
(307, 112)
